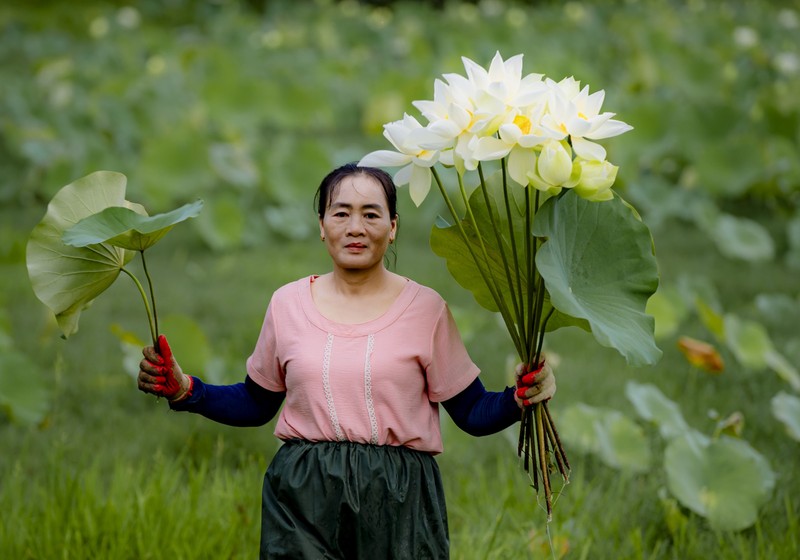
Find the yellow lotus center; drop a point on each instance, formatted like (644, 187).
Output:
(584, 117)
(563, 128)
(523, 123)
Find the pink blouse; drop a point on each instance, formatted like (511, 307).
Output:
(377, 382)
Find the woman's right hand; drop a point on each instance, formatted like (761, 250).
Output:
(161, 375)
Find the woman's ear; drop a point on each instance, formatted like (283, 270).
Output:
(321, 231)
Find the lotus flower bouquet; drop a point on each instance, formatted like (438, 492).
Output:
(535, 230)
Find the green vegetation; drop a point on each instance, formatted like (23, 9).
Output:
(247, 109)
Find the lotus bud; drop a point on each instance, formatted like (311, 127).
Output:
(596, 180)
(555, 163)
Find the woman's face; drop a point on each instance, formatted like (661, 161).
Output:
(357, 227)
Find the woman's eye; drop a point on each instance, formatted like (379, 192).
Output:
(372, 216)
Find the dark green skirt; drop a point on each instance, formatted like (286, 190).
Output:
(351, 501)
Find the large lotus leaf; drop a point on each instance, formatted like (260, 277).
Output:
(501, 243)
(125, 228)
(607, 433)
(25, 394)
(742, 238)
(64, 278)
(786, 408)
(652, 405)
(724, 480)
(598, 265)
(748, 340)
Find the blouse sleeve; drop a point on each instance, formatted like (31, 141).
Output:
(264, 365)
(450, 370)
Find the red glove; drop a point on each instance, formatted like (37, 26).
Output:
(161, 375)
(535, 386)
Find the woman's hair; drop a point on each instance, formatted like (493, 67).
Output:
(327, 189)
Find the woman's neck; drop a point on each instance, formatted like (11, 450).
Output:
(359, 282)
(353, 298)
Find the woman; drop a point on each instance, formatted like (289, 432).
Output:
(362, 358)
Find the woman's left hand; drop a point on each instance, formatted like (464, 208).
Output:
(534, 386)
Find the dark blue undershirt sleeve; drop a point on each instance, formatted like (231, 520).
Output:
(241, 404)
(480, 412)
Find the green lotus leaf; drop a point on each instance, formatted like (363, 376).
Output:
(652, 405)
(724, 480)
(447, 242)
(742, 238)
(752, 346)
(607, 433)
(598, 265)
(67, 279)
(126, 228)
(786, 408)
(748, 341)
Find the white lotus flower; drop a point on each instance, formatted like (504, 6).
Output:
(449, 114)
(544, 129)
(576, 113)
(497, 91)
(407, 136)
(464, 153)
(516, 140)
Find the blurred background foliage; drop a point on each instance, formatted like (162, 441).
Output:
(248, 104)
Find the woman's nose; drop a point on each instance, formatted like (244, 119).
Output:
(355, 225)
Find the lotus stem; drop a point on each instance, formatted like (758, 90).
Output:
(515, 257)
(531, 273)
(496, 292)
(540, 438)
(554, 434)
(538, 355)
(495, 295)
(152, 292)
(150, 321)
(499, 241)
(532, 448)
